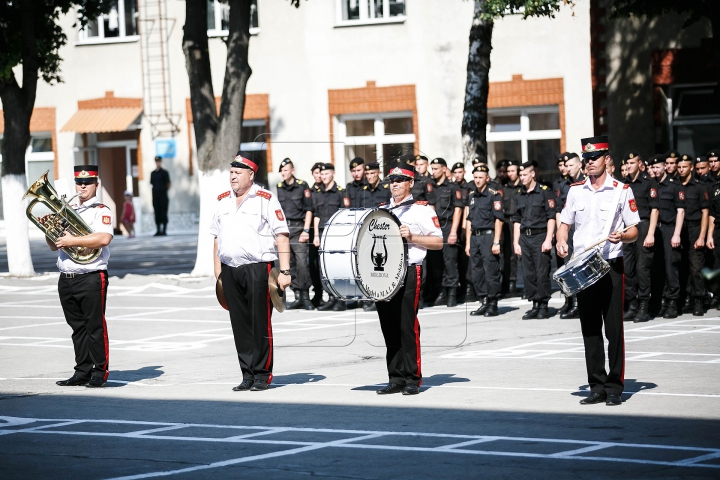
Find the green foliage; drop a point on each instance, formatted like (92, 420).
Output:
(655, 8)
(493, 9)
(38, 39)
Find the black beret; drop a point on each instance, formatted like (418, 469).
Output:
(685, 158)
(356, 162)
(701, 159)
(479, 159)
(481, 168)
(439, 161)
(421, 157)
(655, 159)
(713, 153)
(560, 159)
(628, 155)
(407, 158)
(316, 165)
(286, 161)
(372, 166)
(502, 163)
(401, 169)
(158, 159)
(594, 147)
(515, 163)
(458, 165)
(531, 163)
(672, 153)
(327, 166)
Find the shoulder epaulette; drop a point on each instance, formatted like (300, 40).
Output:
(581, 182)
(280, 185)
(365, 187)
(519, 190)
(544, 187)
(340, 189)
(626, 186)
(265, 194)
(385, 185)
(223, 195)
(421, 202)
(382, 204)
(100, 205)
(670, 179)
(299, 182)
(492, 191)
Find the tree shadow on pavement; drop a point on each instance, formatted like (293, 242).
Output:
(632, 387)
(120, 378)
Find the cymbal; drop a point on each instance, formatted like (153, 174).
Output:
(277, 296)
(220, 294)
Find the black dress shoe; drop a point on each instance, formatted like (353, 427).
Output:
(593, 399)
(411, 390)
(613, 399)
(391, 388)
(244, 386)
(259, 385)
(74, 381)
(96, 382)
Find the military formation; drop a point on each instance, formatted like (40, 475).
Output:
(491, 226)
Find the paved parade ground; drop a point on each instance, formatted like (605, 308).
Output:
(499, 397)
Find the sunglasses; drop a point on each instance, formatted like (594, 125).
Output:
(399, 180)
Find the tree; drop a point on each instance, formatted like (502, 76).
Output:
(694, 9)
(485, 13)
(29, 37)
(217, 134)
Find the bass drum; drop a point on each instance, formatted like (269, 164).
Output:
(362, 255)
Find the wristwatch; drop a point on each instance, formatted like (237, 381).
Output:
(306, 230)
(496, 243)
(285, 272)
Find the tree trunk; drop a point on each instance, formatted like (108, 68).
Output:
(476, 89)
(17, 104)
(714, 15)
(217, 136)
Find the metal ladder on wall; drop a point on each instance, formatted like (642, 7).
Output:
(155, 29)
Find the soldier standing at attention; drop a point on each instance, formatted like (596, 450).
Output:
(422, 189)
(375, 192)
(325, 203)
(671, 159)
(354, 189)
(484, 227)
(313, 254)
(160, 181)
(714, 162)
(638, 256)
(449, 208)
(671, 217)
(422, 165)
(466, 288)
(296, 201)
(534, 228)
(692, 237)
(510, 260)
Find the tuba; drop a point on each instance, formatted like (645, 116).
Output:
(62, 218)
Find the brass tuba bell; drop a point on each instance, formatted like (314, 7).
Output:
(63, 218)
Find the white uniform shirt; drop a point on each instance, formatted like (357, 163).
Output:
(589, 209)
(100, 219)
(421, 220)
(246, 233)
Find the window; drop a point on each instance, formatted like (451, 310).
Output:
(218, 18)
(119, 24)
(694, 118)
(525, 134)
(253, 145)
(377, 137)
(363, 12)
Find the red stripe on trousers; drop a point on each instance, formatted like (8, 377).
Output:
(269, 323)
(103, 293)
(418, 282)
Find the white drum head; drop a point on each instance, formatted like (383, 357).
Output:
(381, 255)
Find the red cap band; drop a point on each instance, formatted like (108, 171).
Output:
(595, 147)
(86, 174)
(247, 162)
(401, 171)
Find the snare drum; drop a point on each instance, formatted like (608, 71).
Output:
(362, 255)
(581, 272)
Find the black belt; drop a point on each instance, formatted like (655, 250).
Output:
(532, 231)
(665, 224)
(481, 231)
(73, 275)
(693, 223)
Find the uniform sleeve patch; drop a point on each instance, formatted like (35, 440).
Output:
(557, 193)
(706, 196)
(436, 221)
(346, 202)
(626, 186)
(264, 193)
(429, 188)
(633, 205)
(496, 205)
(653, 193)
(501, 193)
(458, 194)
(106, 220)
(279, 215)
(615, 184)
(681, 195)
(551, 203)
(421, 202)
(307, 193)
(223, 195)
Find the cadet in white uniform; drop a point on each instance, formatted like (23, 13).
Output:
(588, 206)
(250, 229)
(83, 287)
(398, 316)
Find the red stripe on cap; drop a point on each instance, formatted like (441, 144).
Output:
(91, 173)
(407, 173)
(596, 147)
(249, 163)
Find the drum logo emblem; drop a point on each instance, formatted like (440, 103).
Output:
(379, 258)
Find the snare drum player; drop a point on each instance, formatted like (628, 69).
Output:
(398, 316)
(250, 234)
(83, 287)
(588, 206)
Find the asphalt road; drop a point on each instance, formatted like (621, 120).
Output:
(499, 398)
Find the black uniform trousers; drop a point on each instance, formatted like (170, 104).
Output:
(314, 263)
(299, 266)
(638, 262)
(536, 267)
(401, 330)
(83, 302)
(451, 275)
(485, 266)
(672, 262)
(160, 205)
(602, 304)
(248, 298)
(692, 262)
(510, 261)
(716, 250)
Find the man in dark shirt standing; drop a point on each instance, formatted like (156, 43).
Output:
(296, 201)
(375, 192)
(326, 201)
(638, 255)
(160, 181)
(313, 254)
(354, 189)
(510, 260)
(422, 189)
